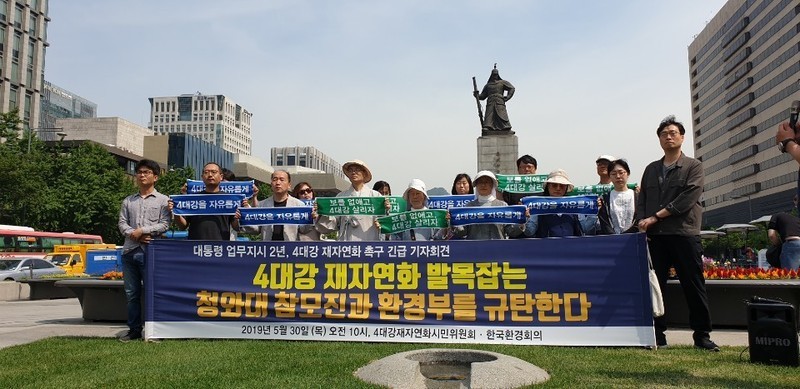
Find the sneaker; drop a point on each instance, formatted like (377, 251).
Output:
(706, 344)
(131, 335)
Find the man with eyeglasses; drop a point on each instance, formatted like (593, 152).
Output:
(208, 227)
(669, 204)
(143, 215)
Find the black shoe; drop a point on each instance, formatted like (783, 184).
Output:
(661, 341)
(131, 335)
(706, 344)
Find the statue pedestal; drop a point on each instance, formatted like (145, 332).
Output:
(498, 153)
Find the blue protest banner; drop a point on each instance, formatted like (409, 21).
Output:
(309, 202)
(510, 214)
(541, 205)
(231, 187)
(275, 215)
(593, 291)
(449, 201)
(206, 204)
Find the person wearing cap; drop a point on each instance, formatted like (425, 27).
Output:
(669, 204)
(353, 228)
(417, 198)
(602, 168)
(554, 225)
(485, 188)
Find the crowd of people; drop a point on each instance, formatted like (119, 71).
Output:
(665, 205)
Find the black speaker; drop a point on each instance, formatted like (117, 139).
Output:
(772, 332)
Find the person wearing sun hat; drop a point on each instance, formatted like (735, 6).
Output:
(416, 197)
(353, 228)
(485, 189)
(555, 225)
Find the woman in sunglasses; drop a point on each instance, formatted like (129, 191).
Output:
(305, 193)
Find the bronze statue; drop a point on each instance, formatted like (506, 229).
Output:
(496, 92)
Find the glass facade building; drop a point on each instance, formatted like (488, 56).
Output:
(744, 74)
(186, 150)
(59, 103)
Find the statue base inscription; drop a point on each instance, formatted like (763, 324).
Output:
(498, 152)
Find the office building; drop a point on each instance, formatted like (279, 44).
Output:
(185, 150)
(215, 119)
(111, 131)
(59, 103)
(23, 40)
(307, 157)
(744, 72)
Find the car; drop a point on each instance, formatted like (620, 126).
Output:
(15, 269)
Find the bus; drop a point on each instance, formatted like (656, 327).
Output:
(16, 242)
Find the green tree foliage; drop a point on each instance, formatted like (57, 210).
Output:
(734, 243)
(171, 181)
(90, 186)
(264, 191)
(10, 125)
(78, 190)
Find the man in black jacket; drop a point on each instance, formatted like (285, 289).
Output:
(669, 204)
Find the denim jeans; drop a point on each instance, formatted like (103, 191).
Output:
(790, 255)
(133, 274)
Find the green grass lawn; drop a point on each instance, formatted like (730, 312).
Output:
(107, 363)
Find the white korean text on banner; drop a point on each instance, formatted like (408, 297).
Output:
(590, 291)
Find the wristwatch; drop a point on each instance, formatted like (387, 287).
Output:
(784, 143)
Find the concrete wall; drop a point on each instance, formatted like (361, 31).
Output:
(13, 290)
(113, 131)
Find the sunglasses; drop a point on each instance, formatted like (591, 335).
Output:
(306, 190)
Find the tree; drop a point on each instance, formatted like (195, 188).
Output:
(170, 182)
(25, 174)
(10, 125)
(87, 192)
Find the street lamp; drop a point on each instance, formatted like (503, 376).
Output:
(57, 130)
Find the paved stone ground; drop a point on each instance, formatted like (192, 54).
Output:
(26, 321)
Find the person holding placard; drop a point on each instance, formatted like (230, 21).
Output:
(353, 227)
(208, 227)
(417, 198)
(555, 225)
(280, 182)
(485, 188)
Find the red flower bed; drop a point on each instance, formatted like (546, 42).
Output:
(719, 273)
(112, 275)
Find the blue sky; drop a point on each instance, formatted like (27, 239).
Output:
(390, 82)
